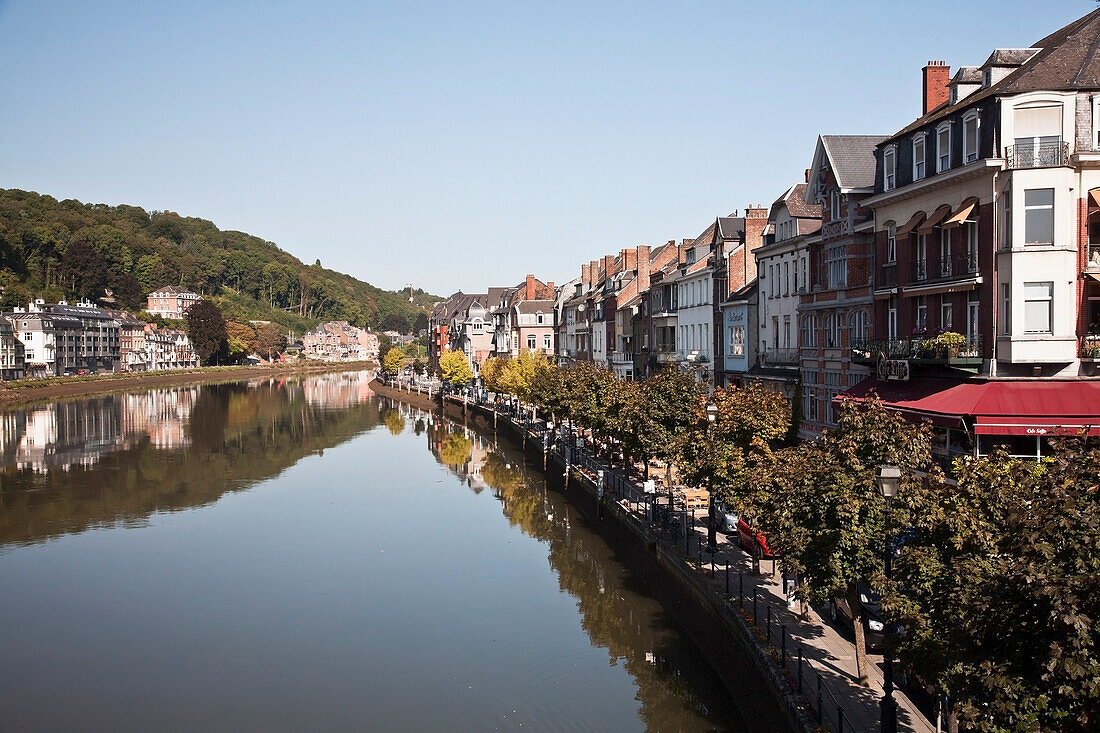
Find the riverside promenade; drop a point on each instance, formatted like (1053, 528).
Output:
(811, 663)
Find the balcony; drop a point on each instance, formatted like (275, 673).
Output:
(1043, 155)
(888, 275)
(920, 350)
(920, 272)
(779, 358)
(622, 357)
(665, 354)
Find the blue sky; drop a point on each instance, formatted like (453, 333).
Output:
(461, 145)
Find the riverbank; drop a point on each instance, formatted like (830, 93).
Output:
(26, 391)
(413, 398)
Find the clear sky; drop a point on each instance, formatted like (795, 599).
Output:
(464, 144)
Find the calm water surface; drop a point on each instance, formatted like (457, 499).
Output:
(299, 555)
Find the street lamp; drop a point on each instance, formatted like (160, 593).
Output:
(712, 532)
(887, 478)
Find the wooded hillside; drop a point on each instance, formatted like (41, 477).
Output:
(57, 250)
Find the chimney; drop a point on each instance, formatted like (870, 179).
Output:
(608, 266)
(642, 258)
(756, 221)
(530, 292)
(630, 257)
(937, 75)
(586, 276)
(550, 284)
(807, 175)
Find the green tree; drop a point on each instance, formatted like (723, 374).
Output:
(519, 372)
(824, 510)
(455, 368)
(206, 329)
(669, 397)
(998, 589)
(394, 361)
(491, 372)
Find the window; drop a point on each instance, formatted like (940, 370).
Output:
(786, 278)
(515, 342)
(892, 319)
(943, 148)
(1037, 136)
(945, 253)
(837, 266)
(834, 204)
(891, 244)
(889, 168)
(919, 157)
(786, 332)
(971, 247)
(538, 318)
(945, 314)
(1006, 307)
(970, 137)
(546, 341)
(1006, 219)
(1039, 216)
(737, 341)
(922, 256)
(921, 321)
(1038, 307)
(859, 325)
(832, 331)
(809, 330)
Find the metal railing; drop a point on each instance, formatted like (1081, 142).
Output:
(1037, 156)
(1093, 262)
(777, 357)
(918, 347)
(921, 270)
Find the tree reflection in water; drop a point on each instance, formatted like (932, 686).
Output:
(617, 614)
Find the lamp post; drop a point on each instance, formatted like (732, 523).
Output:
(712, 532)
(888, 478)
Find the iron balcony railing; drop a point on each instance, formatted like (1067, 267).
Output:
(1037, 156)
(779, 357)
(921, 271)
(888, 275)
(918, 347)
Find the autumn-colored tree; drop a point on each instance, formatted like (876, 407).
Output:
(455, 368)
(240, 340)
(491, 371)
(998, 589)
(270, 340)
(518, 374)
(394, 361)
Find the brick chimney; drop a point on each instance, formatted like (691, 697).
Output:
(641, 259)
(594, 272)
(807, 174)
(630, 259)
(586, 276)
(529, 292)
(756, 221)
(608, 266)
(937, 75)
(550, 284)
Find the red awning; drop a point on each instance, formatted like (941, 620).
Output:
(1031, 407)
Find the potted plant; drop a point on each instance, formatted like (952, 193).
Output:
(951, 342)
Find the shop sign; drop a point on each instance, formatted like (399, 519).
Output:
(897, 369)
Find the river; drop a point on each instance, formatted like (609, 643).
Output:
(298, 554)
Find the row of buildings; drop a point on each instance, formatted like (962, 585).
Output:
(53, 339)
(953, 267)
(339, 341)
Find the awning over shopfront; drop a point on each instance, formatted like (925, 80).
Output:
(1009, 407)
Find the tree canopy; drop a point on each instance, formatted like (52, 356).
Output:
(206, 328)
(455, 368)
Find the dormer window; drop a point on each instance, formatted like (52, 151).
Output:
(889, 168)
(943, 147)
(539, 318)
(690, 256)
(970, 137)
(920, 157)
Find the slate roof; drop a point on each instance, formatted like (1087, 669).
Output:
(795, 199)
(852, 158)
(731, 227)
(530, 307)
(1067, 61)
